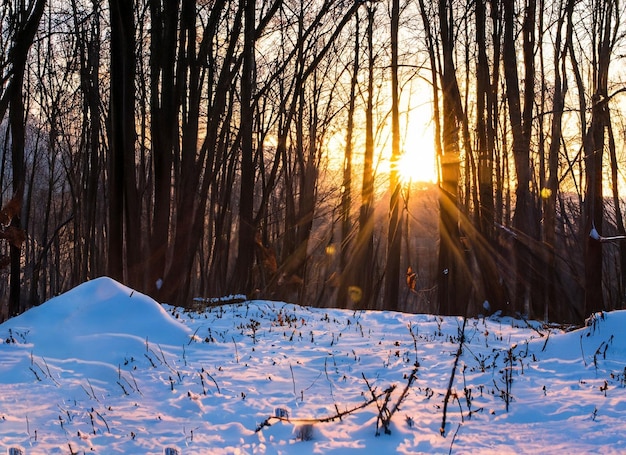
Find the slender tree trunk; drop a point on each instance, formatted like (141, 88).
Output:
(394, 237)
(483, 245)
(485, 153)
(531, 224)
(430, 39)
(308, 187)
(619, 220)
(247, 229)
(294, 250)
(549, 193)
(16, 122)
(93, 267)
(521, 121)
(594, 208)
(346, 195)
(191, 164)
(493, 114)
(86, 248)
(364, 255)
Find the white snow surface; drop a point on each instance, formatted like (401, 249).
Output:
(105, 369)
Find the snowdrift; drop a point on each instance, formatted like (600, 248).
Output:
(89, 319)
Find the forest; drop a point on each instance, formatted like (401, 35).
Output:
(282, 150)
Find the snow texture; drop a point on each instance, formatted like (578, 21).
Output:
(105, 369)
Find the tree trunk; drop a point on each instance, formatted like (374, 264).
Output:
(346, 195)
(394, 236)
(520, 128)
(594, 151)
(164, 119)
(191, 164)
(247, 229)
(22, 41)
(453, 275)
(363, 260)
(594, 208)
(549, 193)
(124, 207)
(487, 254)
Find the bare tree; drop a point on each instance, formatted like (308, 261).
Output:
(24, 22)
(605, 33)
(247, 229)
(549, 191)
(346, 187)
(453, 270)
(520, 117)
(164, 117)
(363, 258)
(394, 237)
(124, 202)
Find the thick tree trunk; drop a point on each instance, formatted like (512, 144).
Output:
(594, 150)
(453, 273)
(22, 41)
(594, 210)
(164, 119)
(124, 206)
(16, 122)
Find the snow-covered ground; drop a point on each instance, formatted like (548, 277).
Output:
(104, 369)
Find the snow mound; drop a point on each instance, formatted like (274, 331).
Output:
(87, 320)
(602, 334)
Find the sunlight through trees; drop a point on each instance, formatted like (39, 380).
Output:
(430, 157)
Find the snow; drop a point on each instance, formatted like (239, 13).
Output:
(105, 369)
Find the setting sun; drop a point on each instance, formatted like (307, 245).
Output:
(418, 165)
(418, 161)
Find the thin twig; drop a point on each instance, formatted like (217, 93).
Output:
(404, 393)
(135, 381)
(268, 422)
(378, 406)
(582, 351)
(49, 372)
(93, 393)
(459, 351)
(453, 438)
(214, 381)
(35, 373)
(236, 351)
(193, 336)
(546, 342)
(293, 380)
(102, 418)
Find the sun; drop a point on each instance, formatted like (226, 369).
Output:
(418, 165)
(418, 162)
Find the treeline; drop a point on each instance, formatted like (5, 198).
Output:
(235, 146)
